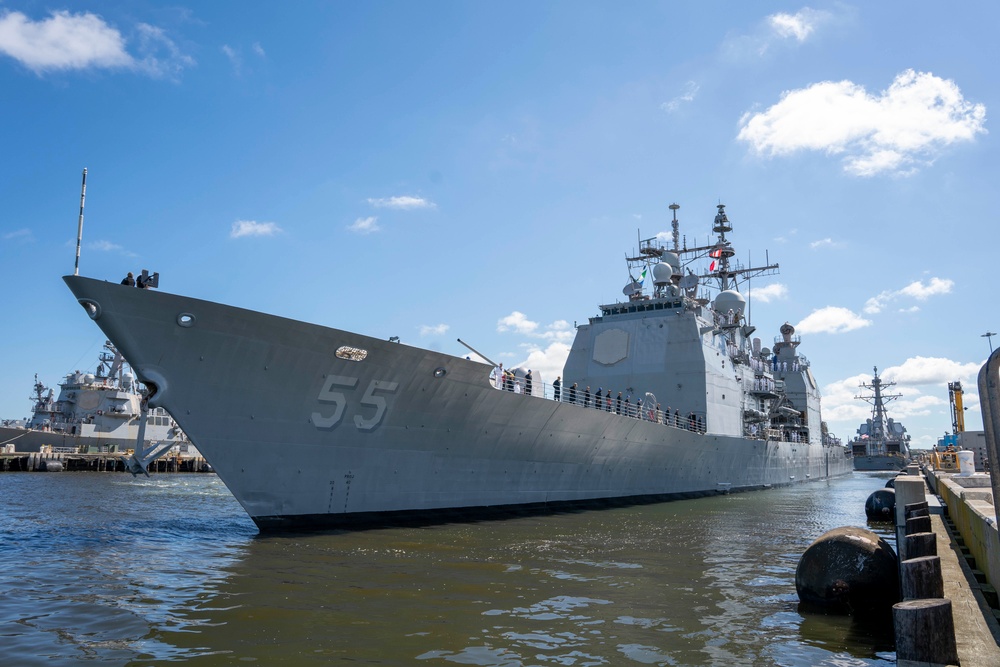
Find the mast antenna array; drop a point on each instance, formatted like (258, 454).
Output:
(674, 225)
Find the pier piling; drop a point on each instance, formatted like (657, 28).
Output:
(925, 631)
(920, 578)
(921, 544)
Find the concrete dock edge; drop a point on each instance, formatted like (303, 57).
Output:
(977, 631)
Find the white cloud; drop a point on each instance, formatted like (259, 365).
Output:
(930, 371)
(517, 322)
(687, 95)
(769, 293)
(776, 30)
(546, 364)
(896, 131)
(235, 58)
(365, 225)
(798, 26)
(831, 319)
(253, 228)
(915, 290)
(435, 330)
(160, 57)
(108, 246)
(921, 386)
(826, 243)
(63, 41)
(23, 234)
(403, 202)
(922, 292)
(66, 41)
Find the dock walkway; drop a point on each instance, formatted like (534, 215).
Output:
(973, 600)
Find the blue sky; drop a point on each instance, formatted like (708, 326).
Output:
(477, 170)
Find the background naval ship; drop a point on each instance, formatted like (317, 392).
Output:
(311, 426)
(99, 412)
(881, 443)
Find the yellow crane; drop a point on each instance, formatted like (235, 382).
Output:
(957, 411)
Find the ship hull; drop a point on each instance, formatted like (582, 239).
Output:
(879, 462)
(31, 440)
(305, 438)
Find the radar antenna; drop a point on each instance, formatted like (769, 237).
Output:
(676, 229)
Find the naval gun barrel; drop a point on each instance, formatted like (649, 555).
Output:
(493, 363)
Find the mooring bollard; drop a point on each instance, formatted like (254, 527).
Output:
(925, 631)
(918, 524)
(916, 509)
(921, 544)
(910, 490)
(920, 578)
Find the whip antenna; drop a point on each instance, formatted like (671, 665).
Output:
(79, 226)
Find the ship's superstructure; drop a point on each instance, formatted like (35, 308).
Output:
(694, 355)
(99, 411)
(881, 443)
(313, 426)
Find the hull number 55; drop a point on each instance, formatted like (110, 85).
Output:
(333, 392)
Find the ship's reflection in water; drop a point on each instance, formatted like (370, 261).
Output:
(149, 572)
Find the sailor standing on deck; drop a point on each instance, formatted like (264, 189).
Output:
(128, 280)
(557, 386)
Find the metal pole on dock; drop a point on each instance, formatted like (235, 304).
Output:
(79, 226)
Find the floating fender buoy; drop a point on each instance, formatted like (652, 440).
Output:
(891, 484)
(848, 570)
(881, 505)
(51, 465)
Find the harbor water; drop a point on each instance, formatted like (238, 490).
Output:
(103, 568)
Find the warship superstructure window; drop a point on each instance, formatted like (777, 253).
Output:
(351, 353)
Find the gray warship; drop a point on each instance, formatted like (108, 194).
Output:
(94, 412)
(315, 427)
(882, 442)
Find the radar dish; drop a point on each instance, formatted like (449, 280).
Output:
(689, 281)
(632, 288)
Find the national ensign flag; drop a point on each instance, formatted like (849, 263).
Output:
(715, 253)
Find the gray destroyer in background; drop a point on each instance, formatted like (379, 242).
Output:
(311, 426)
(881, 443)
(93, 412)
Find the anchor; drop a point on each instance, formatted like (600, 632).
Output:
(143, 456)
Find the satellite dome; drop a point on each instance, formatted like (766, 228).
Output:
(730, 300)
(662, 273)
(673, 260)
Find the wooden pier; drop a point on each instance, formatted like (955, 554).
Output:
(99, 462)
